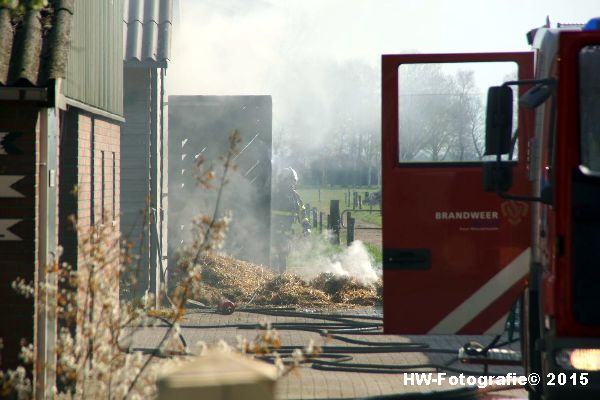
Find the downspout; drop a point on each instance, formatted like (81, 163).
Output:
(153, 205)
(161, 214)
(163, 137)
(158, 212)
(40, 377)
(45, 322)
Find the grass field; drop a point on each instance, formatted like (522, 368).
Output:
(321, 247)
(320, 199)
(375, 252)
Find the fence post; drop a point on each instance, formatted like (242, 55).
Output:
(359, 202)
(350, 232)
(314, 217)
(334, 214)
(349, 229)
(321, 222)
(354, 200)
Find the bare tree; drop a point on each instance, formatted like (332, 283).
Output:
(468, 118)
(425, 113)
(441, 114)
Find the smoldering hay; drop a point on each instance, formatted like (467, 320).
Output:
(247, 283)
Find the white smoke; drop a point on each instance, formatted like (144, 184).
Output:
(313, 256)
(355, 261)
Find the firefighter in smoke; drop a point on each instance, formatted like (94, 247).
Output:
(288, 209)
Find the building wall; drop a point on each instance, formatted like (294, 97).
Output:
(18, 223)
(135, 170)
(90, 177)
(95, 61)
(144, 174)
(88, 147)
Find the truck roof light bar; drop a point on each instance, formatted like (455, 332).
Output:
(592, 25)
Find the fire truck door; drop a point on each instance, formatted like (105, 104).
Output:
(455, 258)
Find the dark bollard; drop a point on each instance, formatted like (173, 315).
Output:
(350, 232)
(354, 200)
(314, 217)
(321, 222)
(334, 214)
(359, 202)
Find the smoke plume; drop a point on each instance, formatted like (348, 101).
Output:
(315, 255)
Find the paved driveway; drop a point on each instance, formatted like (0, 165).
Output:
(381, 357)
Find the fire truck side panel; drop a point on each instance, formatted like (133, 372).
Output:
(570, 231)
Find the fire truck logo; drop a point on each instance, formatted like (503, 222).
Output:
(514, 211)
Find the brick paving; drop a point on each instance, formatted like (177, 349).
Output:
(305, 382)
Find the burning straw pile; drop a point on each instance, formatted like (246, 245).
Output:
(247, 283)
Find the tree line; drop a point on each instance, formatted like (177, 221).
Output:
(441, 119)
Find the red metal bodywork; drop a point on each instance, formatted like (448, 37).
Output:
(451, 296)
(558, 281)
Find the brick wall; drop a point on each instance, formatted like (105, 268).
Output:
(87, 145)
(89, 163)
(106, 148)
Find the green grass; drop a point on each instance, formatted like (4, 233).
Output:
(375, 252)
(311, 195)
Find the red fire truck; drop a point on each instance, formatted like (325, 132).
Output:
(456, 258)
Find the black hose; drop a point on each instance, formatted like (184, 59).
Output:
(326, 328)
(374, 349)
(290, 313)
(383, 368)
(450, 394)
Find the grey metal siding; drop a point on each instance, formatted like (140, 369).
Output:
(95, 64)
(135, 152)
(143, 173)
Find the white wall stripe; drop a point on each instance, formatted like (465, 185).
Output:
(484, 296)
